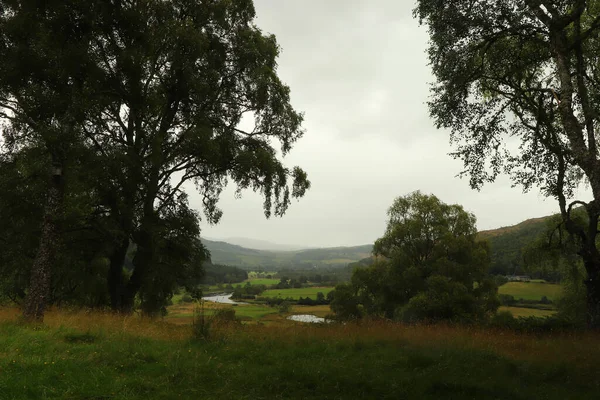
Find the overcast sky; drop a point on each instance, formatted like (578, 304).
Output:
(358, 70)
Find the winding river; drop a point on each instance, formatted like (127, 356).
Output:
(225, 298)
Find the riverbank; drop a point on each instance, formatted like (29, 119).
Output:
(82, 355)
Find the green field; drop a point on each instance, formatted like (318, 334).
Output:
(531, 290)
(245, 312)
(261, 281)
(527, 312)
(297, 293)
(108, 357)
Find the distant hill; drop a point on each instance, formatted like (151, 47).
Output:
(259, 244)
(230, 254)
(507, 243)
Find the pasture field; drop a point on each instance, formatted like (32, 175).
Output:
(297, 293)
(527, 312)
(260, 281)
(531, 290)
(103, 356)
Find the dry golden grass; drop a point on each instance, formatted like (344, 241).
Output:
(319, 311)
(106, 322)
(582, 349)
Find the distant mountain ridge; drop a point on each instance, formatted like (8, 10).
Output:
(506, 245)
(247, 258)
(257, 244)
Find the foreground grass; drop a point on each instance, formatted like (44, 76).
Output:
(531, 290)
(297, 293)
(105, 357)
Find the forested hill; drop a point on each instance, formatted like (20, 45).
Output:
(229, 254)
(507, 243)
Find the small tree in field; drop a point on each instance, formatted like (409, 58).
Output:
(430, 265)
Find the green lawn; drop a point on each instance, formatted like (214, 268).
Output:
(531, 290)
(330, 362)
(297, 293)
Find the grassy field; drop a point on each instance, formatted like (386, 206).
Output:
(100, 356)
(297, 293)
(527, 312)
(531, 290)
(261, 281)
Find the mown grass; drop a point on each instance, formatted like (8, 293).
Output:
(77, 356)
(531, 290)
(297, 293)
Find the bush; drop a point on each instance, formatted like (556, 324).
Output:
(186, 298)
(284, 307)
(552, 324)
(507, 299)
(205, 327)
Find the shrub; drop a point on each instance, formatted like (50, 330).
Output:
(206, 327)
(186, 298)
(284, 307)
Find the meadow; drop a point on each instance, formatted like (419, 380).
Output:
(527, 312)
(297, 293)
(261, 281)
(531, 290)
(102, 356)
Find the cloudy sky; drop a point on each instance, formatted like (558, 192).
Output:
(358, 70)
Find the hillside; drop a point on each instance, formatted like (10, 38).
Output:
(230, 254)
(506, 244)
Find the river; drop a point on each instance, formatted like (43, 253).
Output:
(225, 298)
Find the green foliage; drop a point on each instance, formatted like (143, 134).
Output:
(517, 84)
(215, 273)
(431, 266)
(345, 304)
(284, 307)
(129, 101)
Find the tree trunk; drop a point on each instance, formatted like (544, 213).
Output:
(41, 271)
(592, 284)
(141, 263)
(115, 274)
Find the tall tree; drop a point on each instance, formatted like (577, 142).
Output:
(183, 80)
(430, 266)
(518, 84)
(43, 91)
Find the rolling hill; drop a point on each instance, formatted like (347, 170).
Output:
(230, 254)
(506, 244)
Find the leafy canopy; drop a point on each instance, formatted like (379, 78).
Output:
(429, 265)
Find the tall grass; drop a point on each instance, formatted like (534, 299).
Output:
(78, 355)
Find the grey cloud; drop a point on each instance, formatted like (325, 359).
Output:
(358, 69)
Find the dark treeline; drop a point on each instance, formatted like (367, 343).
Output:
(215, 274)
(108, 109)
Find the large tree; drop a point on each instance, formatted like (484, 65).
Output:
(518, 84)
(44, 92)
(192, 96)
(430, 266)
